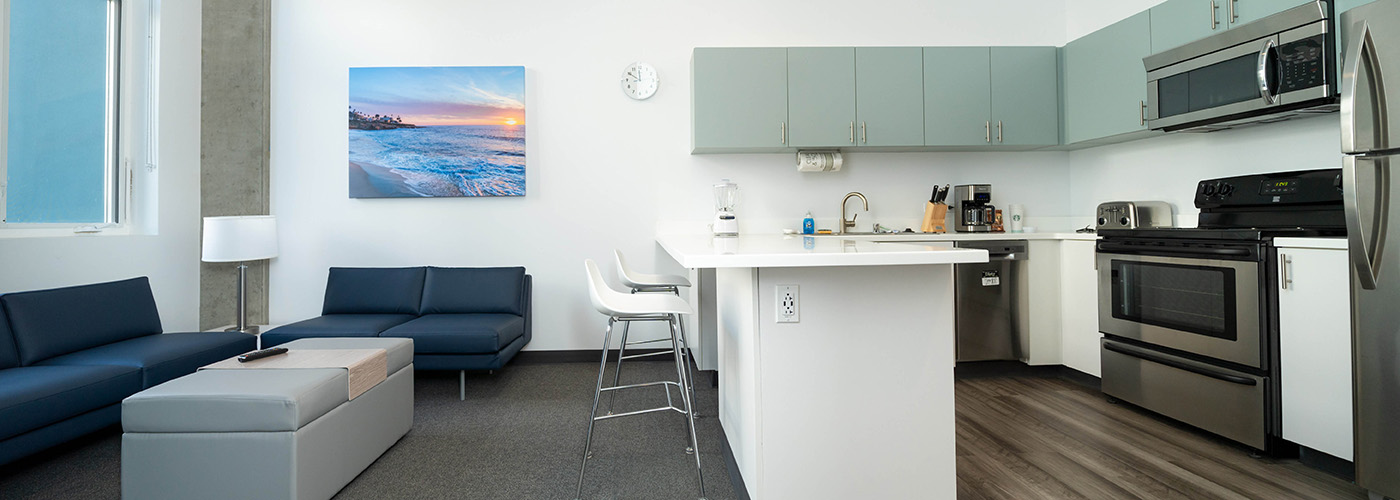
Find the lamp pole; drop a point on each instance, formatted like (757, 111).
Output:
(242, 325)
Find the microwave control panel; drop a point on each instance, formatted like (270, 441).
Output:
(1302, 64)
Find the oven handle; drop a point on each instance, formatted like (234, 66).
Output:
(1133, 249)
(1163, 360)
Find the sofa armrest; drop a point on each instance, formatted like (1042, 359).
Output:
(525, 298)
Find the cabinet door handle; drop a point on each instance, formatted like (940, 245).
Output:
(783, 129)
(862, 133)
(1234, 17)
(1142, 113)
(999, 137)
(1284, 279)
(988, 128)
(1214, 7)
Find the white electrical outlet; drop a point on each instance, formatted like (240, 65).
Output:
(785, 307)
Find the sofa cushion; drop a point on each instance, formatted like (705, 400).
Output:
(373, 290)
(35, 396)
(48, 323)
(334, 325)
(460, 333)
(461, 290)
(9, 357)
(237, 401)
(163, 357)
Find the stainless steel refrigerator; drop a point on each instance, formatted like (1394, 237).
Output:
(1371, 140)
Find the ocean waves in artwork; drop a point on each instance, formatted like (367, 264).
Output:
(461, 160)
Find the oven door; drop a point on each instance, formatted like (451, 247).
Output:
(1194, 304)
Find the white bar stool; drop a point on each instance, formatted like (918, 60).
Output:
(626, 308)
(650, 283)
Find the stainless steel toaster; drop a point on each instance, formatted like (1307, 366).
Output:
(1133, 214)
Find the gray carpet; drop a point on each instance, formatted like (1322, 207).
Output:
(519, 434)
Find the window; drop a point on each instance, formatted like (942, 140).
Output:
(58, 111)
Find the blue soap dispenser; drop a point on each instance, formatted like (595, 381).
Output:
(808, 225)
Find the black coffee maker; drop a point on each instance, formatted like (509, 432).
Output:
(975, 212)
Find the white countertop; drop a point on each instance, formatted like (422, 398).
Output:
(774, 250)
(1322, 243)
(919, 237)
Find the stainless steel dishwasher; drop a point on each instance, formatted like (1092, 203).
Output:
(990, 300)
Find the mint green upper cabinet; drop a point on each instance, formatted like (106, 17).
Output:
(1176, 22)
(957, 96)
(889, 96)
(1025, 96)
(821, 96)
(1105, 84)
(738, 99)
(1244, 11)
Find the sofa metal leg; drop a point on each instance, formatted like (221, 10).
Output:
(462, 386)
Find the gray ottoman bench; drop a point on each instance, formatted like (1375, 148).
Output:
(264, 433)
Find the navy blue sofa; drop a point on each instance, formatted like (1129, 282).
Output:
(68, 357)
(460, 318)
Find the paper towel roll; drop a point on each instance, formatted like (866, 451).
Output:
(818, 161)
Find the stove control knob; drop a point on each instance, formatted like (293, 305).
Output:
(1124, 221)
(1208, 190)
(1226, 189)
(1103, 221)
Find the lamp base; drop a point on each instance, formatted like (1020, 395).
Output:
(250, 329)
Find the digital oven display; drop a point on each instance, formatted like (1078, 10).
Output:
(1279, 186)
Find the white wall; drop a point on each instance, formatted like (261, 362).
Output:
(603, 170)
(1167, 168)
(169, 254)
(1087, 16)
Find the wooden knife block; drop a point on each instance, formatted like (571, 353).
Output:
(935, 218)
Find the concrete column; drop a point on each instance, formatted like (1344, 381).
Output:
(235, 117)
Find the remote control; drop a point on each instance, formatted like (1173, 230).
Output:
(259, 354)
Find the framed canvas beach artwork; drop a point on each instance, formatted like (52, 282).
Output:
(419, 132)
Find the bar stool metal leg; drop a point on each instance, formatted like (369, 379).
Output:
(617, 374)
(685, 351)
(685, 398)
(597, 393)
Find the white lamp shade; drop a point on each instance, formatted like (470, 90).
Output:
(239, 238)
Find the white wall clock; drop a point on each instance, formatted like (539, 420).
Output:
(639, 81)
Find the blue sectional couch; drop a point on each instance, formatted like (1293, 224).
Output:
(460, 318)
(68, 357)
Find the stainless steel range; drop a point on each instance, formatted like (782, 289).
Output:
(1190, 315)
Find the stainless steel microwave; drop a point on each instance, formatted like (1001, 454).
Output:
(1273, 69)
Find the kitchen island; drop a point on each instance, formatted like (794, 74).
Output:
(855, 398)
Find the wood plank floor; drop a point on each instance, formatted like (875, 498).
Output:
(1029, 437)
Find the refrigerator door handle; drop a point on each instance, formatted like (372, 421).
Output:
(1362, 52)
(1365, 238)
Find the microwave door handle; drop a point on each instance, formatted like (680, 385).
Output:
(1262, 72)
(1363, 51)
(1365, 239)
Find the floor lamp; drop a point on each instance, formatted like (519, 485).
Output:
(240, 239)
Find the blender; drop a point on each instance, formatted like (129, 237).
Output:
(726, 198)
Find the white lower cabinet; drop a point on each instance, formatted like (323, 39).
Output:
(1315, 346)
(1079, 292)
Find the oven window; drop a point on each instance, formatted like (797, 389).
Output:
(1194, 299)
